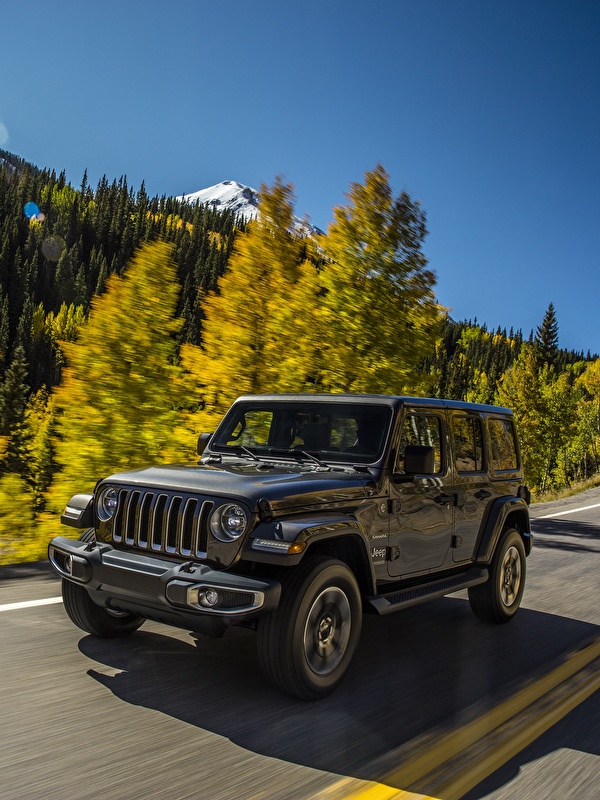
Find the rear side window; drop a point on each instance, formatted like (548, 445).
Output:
(421, 429)
(503, 453)
(468, 444)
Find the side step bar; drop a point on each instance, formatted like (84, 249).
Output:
(404, 598)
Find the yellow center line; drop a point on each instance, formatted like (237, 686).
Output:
(517, 734)
(419, 762)
(497, 736)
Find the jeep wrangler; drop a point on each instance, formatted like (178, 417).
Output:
(303, 512)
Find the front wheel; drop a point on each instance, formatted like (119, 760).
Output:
(94, 619)
(305, 647)
(498, 599)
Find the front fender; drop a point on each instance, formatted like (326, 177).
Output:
(285, 540)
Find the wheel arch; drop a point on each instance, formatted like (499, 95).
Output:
(335, 536)
(349, 549)
(506, 512)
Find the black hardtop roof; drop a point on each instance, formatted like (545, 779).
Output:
(394, 401)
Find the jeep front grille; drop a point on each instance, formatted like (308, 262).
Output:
(162, 522)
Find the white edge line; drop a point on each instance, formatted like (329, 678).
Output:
(47, 601)
(562, 513)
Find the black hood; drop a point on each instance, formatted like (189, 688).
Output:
(282, 485)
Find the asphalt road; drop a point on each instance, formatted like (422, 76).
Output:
(164, 715)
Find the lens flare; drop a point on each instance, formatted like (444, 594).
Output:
(31, 210)
(52, 247)
(3, 134)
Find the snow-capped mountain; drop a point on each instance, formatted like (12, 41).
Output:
(227, 196)
(242, 200)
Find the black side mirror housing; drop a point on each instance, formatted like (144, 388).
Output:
(79, 512)
(203, 441)
(419, 459)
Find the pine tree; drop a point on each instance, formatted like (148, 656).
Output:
(4, 329)
(546, 337)
(13, 399)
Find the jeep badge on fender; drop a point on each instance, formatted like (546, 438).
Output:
(304, 512)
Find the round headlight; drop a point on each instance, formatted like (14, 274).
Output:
(107, 503)
(228, 522)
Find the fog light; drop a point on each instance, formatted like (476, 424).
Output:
(68, 565)
(208, 598)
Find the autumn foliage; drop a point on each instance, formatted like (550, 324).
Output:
(129, 372)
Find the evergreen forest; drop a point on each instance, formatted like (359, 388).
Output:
(129, 323)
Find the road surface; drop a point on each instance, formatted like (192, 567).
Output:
(162, 714)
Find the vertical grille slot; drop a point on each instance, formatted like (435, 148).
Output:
(131, 512)
(144, 523)
(158, 522)
(172, 524)
(202, 545)
(188, 526)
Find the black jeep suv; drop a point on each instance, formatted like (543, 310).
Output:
(304, 512)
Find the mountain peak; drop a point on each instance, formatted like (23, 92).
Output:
(227, 196)
(242, 200)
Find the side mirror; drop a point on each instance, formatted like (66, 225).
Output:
(419, 459)
(203, 441)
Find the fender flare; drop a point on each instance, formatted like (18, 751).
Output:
(501, 510)
(269, 541)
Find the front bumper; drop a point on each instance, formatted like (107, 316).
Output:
(188, 595)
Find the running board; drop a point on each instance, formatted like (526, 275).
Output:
(386, 603)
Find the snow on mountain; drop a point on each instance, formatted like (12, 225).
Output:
(227, 196)
(242, 200)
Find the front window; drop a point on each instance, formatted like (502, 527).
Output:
(421, 429)
(345, 431)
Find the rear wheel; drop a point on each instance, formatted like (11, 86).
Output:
(305, 647)
(498, 599)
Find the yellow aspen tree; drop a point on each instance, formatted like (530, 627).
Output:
(256, 331)
(380, 318)
(116, 404)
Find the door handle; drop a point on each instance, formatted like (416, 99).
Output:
(444, 499)
(482, 494)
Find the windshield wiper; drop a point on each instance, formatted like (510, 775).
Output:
(299, 455)
(313, 458)
(241, 450)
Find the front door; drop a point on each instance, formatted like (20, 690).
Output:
(422, 506)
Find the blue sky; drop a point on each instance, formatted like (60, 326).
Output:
(486, 111)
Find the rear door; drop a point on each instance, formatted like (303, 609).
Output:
(472, 487)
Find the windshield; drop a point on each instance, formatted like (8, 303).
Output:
(346, 432)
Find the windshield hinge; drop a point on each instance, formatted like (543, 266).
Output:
(265, 512)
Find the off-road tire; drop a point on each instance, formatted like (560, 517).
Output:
(305, 647)
(498, 599)
(92, 618)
